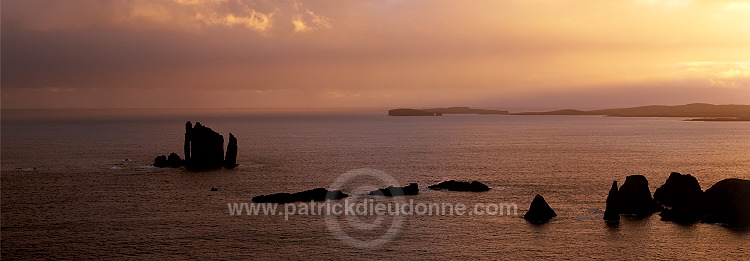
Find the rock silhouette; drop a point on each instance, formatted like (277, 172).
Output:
(231, 159)
(173, 161)
(318, 194)
(612, 212)
(453, 185)
(727, 203)
(539, 211)
(188, 127)
(635, 197)
(682, 197)
(206, 148)
(161, 161)
(411, 189)
(203, 148)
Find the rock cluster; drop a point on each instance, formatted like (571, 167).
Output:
(453, 185)
(726, 202)
(203, 148)
(173, 161)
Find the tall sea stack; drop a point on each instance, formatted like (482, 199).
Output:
(188, 128)
(231, 159)
(612, 212)
(206, 148)
(635, 197)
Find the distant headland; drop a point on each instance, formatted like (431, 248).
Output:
(441, 111)
(714, 112)
(706, 112)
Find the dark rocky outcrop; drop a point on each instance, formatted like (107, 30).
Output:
(682, 197)
(173, 160)
(203, 148)
(412, 189)
(206, 148)
(161, 161)
(318, 194)
(612, 212)
(539, 211)
(635, 197)
(453, 185)
(231, 159)
(727, 202)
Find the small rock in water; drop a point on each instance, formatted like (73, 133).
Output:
(453, 185)
(539, 211)
(412, 189)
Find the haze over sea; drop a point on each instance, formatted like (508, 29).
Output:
(69, 192)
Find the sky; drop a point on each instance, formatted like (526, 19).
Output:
(373, 53)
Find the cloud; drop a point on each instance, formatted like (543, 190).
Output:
(720, 74)
(309, 21)
(253, 19)
(186, 15)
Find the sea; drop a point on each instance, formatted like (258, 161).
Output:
(78, 184)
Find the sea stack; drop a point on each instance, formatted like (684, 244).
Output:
(682, 197)
(539, 211)
(635, 197)
(188, 128)
(727, 203)
(231, 159)
(612, 212)
(203, 148)
(206, 148)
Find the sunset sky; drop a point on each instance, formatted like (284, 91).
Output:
(373, 53)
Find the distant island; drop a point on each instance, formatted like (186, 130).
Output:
(706, 112)
(726, 112)
(720, 119)
(441, 111)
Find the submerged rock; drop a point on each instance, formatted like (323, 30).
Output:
(412, 189)
(682, 197)
(612, 212)
(318, 194)
(453, 185)
(539, 211)
(635, 197)
(727, 202)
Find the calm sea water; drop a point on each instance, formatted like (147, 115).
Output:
(68, 192)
